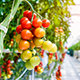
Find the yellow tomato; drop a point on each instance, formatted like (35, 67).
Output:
(28, 65)
(38, 42)
(47, 45)
(8, 76)
(35, 61)
(27, 54)
(53, 49)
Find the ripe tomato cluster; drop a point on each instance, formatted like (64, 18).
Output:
(6, 68)
(30, 34)
(39, 69)
(58, 73)
(42, 53)
(50, 57)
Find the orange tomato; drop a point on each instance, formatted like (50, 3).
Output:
(26, 34)
(23, 45)
(39, 32)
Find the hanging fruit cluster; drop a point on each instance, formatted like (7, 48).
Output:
(39, 69)
(42, 53)
(30, 34)
(58, 73)
(59, 37)
(6, 68)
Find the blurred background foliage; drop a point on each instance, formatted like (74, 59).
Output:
(75, 46)
(54, 10)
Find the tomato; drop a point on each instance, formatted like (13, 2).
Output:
(27, 54)
(37, 23)
(5, 77)
(45, 23)
(28, 65)
(8, 69)
(19, 29)
(34, 16)
(23, 45)
(39, 32)
(26, 34)
(53, 49)
(38, 68)
(35, 61)
(38, 42)
(10, 72)
(8, 65)
(8, 76)
(24, 18)
(25, 13)
(29, 15)
(18, 38)
(26, 24)
(41, 70)
(47, 45)
(9, 61)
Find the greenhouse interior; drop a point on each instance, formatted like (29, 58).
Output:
(39, 39)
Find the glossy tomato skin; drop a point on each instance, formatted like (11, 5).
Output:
(23, 44)
(35, 60)
(29, 15)
(34, 16)
(19, 29)
(27, 54)
(47, 45)
(24, 18)
(45, 23)
(28, 65)
(39, 32)
(26, 34)
(26, 24)
(37, 23)
(25, 13)
(38, 42)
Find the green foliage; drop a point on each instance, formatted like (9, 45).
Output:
(75, 46)
(54, 10)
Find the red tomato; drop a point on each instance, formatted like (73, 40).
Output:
(9, 61)
(24, 18)
(37, 23)
(26, 24)
(26, 34)
(8, 69)
(34, 16)
(29, 15)
(19, 29)
(25, 13)
(45, 23)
